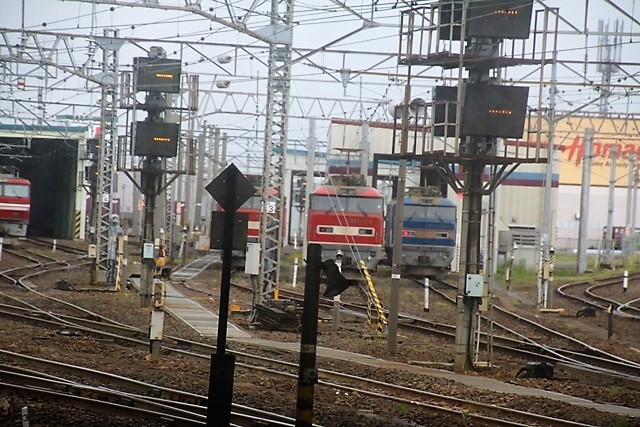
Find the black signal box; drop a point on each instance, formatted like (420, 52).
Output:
(240, 226)
(494, 111)
(444, 110)
(156, 139)
(500, 19)
(157, 74)
(503, 19)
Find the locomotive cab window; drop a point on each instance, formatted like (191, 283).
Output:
(346, 204)
(441, 213)
(13, 190)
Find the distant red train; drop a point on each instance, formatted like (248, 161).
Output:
(346, 218)
(252, 207)
(15, 205)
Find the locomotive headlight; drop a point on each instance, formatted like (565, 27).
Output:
(408, 233)
(325, 229)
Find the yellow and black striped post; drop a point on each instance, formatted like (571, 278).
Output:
(552, 260)
(382, 319)
(77, 226)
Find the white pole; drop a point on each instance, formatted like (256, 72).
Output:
(478, 337)
(55, 242)
(25, 416)
(426, 294)
(295, 272)
(1, 244)
(625, 281)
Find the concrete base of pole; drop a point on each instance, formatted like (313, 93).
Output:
(154, 349)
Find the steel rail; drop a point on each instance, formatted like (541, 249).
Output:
(293, 367)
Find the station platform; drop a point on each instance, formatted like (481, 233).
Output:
(203, 321)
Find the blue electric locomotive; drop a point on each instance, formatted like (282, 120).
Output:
(428, 232)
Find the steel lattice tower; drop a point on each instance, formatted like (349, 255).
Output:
(275, 145)
(108, 137)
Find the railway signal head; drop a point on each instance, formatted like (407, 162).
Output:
(336, 282)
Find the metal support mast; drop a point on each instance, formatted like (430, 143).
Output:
(275, 145)
(547, 232)
(108, 137)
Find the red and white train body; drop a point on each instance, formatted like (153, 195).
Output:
(348, 222)
(252, 208)
(15, 205)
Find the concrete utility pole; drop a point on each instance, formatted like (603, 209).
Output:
(311, 161)
(364, 151)
(547, 232)
(608, 237)
(215, 170)
(396, 263)
(197, 209)
(634, 206)
(629, 231)
(467, 307)
(583, 227)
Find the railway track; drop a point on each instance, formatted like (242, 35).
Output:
(484, 413)
(549, 345)
(530, 342)
(627, 305)
(119, 395)
(110, 331)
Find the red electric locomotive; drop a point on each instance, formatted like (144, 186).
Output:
(15, 205)
(346, 219)
(252, 208)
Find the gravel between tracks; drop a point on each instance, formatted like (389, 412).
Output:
(332, 407)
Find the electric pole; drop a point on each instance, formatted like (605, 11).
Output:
(275, 146)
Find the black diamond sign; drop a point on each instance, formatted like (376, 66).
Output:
(231, 188)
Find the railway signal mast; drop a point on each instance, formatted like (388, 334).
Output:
(471, 122)
(154, 140)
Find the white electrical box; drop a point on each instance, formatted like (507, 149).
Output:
(157, 324)
(474, 285)
(252, 261)
(147, 251)
(93, 251)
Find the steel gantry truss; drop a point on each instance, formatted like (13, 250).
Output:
(110, 44)
(275, 145)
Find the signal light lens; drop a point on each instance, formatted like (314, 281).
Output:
(501, 112)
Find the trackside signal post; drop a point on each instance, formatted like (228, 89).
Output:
(156, 148)
(230, 189)
(476, 126)
(307, 370)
